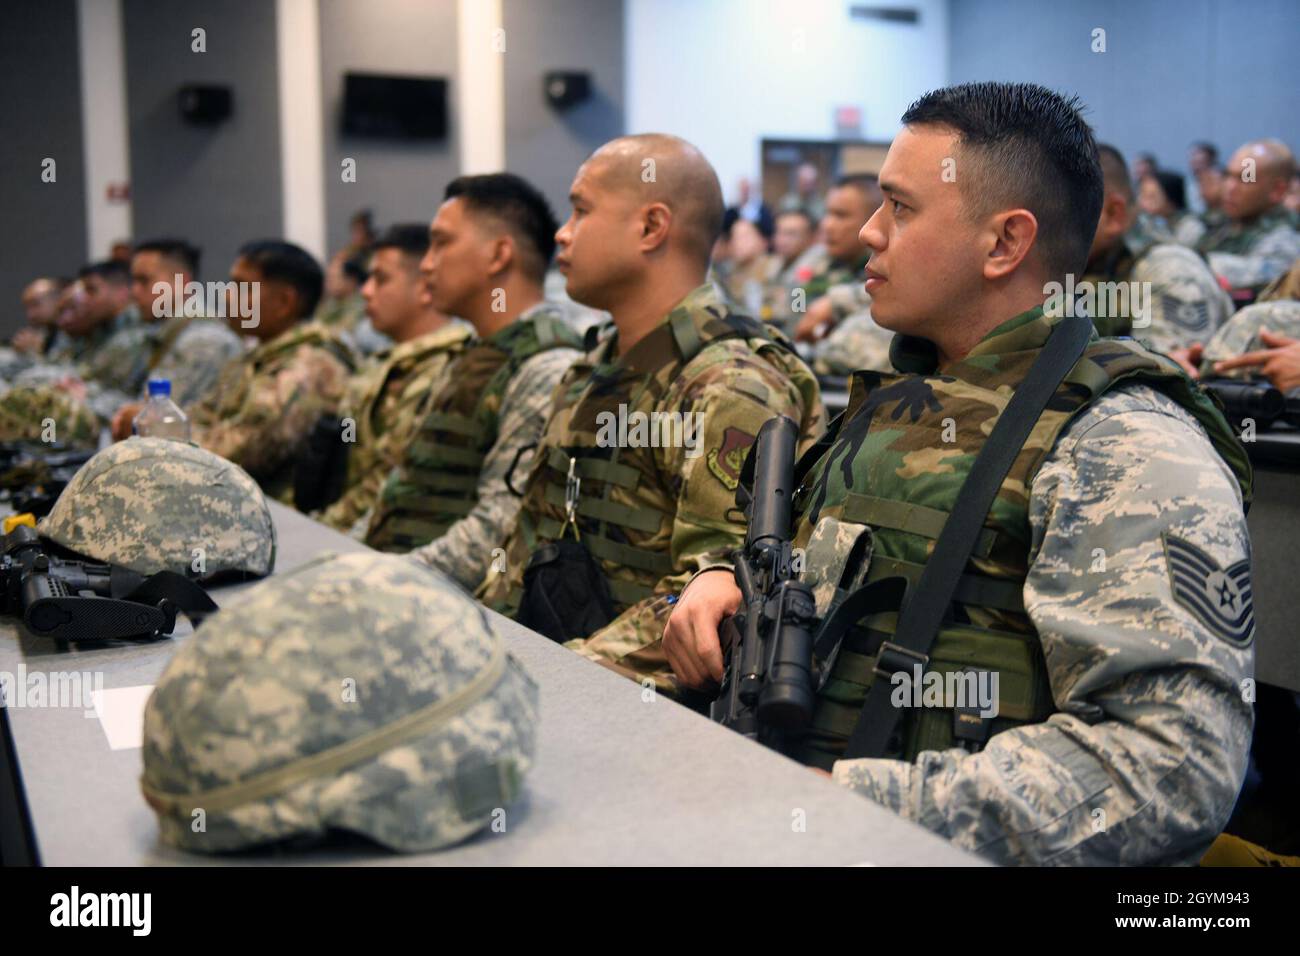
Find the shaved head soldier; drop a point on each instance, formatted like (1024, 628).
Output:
(1105, 593)
(1257, 242)
(637, 467)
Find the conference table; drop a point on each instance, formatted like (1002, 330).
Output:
(620, 778)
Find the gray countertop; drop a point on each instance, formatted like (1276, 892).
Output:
(618, 780)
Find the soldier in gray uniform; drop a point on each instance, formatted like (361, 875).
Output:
(1116, 602)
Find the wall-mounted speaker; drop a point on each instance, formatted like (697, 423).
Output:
(205, 104)
(566, 89)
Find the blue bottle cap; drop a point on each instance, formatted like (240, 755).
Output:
(160, 386)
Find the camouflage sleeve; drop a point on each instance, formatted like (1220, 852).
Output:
(194, 361)
(278, 412)
(1189, 231)
(729, 402)
(1139, 589)
(846, 298)
(1185, 303)
(464, 552)
(120, 363)
(1271, 256)
(856, 343)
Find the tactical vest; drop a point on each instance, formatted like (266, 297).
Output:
(892, 442)
(437, 483)
(604, 523)
(304, 334)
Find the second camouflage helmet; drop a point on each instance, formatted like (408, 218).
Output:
(153, 504)
(362, 693)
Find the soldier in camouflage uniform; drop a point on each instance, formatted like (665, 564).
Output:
(187, 350)
(1183, 301)
(855, 343)
(796, 258)
(261, 411)
(835, 291)
(452, 497)
(648, 506)
(1258, 240)
(386, 401)
(117, 361)
(281, 720)
(1109, 589)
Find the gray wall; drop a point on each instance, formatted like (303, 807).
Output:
(400, 182)
(40, 114)
(1174, 71)
(544, 145)
(217, 186)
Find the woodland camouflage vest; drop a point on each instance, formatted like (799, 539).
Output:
(896, 463)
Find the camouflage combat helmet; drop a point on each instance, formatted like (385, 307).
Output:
(44, 413)
(153, 504)
(361, 693)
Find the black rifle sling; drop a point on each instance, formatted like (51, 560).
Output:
(926, 608)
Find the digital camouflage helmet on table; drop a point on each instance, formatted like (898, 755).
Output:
(153, 504)
(362, 693)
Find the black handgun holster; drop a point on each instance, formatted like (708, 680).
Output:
(565, 595)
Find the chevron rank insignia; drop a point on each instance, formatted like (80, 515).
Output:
(1220, 598)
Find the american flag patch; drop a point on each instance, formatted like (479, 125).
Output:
(1220, 598)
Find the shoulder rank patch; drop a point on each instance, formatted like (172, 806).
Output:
(1220, 598)
(726, 461)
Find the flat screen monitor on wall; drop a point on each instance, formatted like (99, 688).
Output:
(394, 107)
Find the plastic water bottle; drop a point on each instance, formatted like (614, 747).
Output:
(161, 417)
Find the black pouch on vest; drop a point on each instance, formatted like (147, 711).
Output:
(565, 592)
(321, 473)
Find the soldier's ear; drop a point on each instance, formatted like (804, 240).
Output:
(656, 220)
(503, 254)
(1014, 233)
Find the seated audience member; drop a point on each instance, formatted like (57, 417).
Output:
(265, 403)
(1257, 241)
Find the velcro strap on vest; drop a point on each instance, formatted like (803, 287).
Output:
(971, 588)
(645, 518)
(448, 422)
(422, 454)
(910, 518)
(654, 562)
(597, 469)
(434, 505)
(435, 481)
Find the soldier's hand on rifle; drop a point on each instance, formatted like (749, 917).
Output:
(691, 641)
(817, 321)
